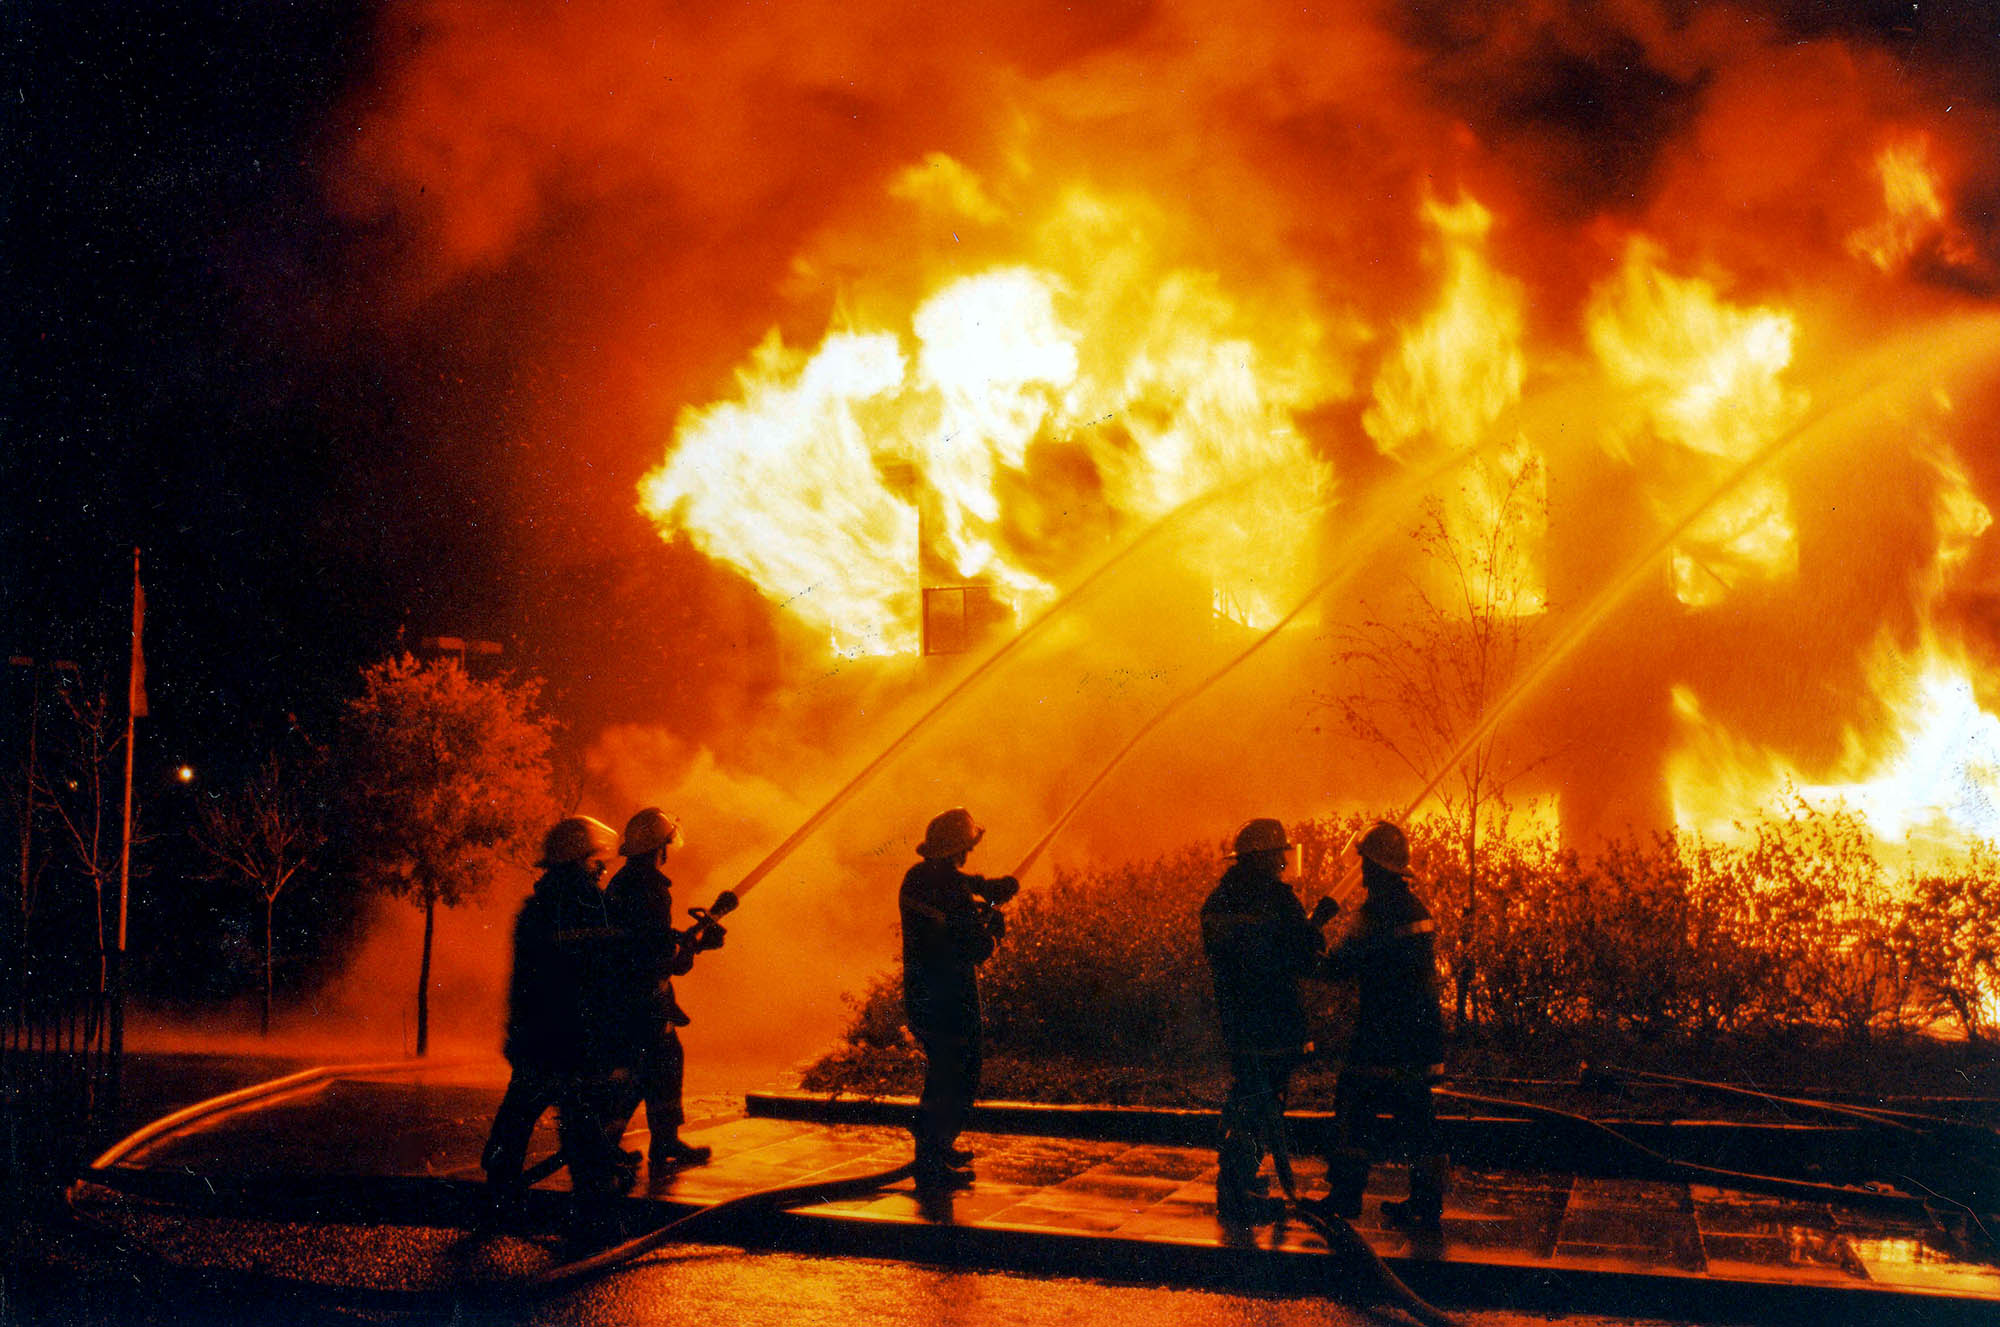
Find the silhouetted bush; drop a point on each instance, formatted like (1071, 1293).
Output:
(1799, 930)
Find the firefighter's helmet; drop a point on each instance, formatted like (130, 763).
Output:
(950, 834)
(1263, 835)
(576, 839)
(649, 829)
(1385, 845)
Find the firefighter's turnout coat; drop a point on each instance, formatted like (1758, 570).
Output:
(1392, 956)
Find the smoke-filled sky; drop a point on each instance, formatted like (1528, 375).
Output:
(364, 321)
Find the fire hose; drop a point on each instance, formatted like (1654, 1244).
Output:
(1341, 1238)
(1666, 1167)
(1909, 1125)
(100, 1173)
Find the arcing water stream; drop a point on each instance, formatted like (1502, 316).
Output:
(1966, 349)
(985, 667)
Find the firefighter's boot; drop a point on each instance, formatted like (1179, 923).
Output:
(1424, 1212)
(1346, 1180)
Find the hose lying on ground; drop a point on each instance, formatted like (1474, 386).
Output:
(1963, 1137)
(1341, 1238)
(550, 1279)
(1665, 1166)
(764, 1200)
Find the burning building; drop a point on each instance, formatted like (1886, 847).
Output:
(902, 322)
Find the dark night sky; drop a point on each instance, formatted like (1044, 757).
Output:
(183, 374)
(196, 364)
(159, 179)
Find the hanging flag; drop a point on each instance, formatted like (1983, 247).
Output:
(136, 696)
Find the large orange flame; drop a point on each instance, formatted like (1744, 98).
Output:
(1015, 401)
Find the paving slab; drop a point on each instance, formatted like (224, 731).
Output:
(1083, 1205)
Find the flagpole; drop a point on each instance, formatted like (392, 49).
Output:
(134, 702)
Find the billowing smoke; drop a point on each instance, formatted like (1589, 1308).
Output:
(617, 244)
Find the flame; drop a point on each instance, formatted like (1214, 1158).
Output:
(823, 478)
(1916, 216)
(1704, 375)
(1452, 376)
(1929, 778)
(1044, 276)
(1959, 513)
(797, 441)
(1704, 372)
(1459, 369)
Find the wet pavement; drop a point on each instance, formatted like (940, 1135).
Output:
(1068, 1206)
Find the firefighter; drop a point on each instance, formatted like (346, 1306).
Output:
(641, 905)
(1397, 1050)
(1260, 945)
(560, 1008)
(951, 922)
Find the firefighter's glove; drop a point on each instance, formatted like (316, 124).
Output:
(995, 922)
(1324, 911)
(1000, 889)
(706, 933)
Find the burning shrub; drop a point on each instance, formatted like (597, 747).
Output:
(1673, 941)
(1818, 910)
(1949, 933)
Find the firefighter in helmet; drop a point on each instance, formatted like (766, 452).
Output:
(951, 922)
(640, 902)
(1397, 1050)
(1260, 944)
(560, 1011)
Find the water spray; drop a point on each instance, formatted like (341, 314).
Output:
(1608, 598)
(1372, 527)
(1565, 644)
(729, 899)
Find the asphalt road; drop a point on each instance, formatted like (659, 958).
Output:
(691, 1287)
(64, 1276)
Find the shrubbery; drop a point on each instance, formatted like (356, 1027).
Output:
(1801, 931)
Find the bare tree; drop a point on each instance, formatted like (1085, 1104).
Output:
(78, 783)
(1426, 674)
(446, 782)
(263, 834)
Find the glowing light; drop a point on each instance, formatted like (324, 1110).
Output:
(1914, 205)
(1932, 782)
(1135, 384)
(1705, 375)
(1454, 373)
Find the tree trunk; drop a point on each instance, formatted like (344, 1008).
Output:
(1467, 918)
(266, 1029)
(424, 983)
(103, 949)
